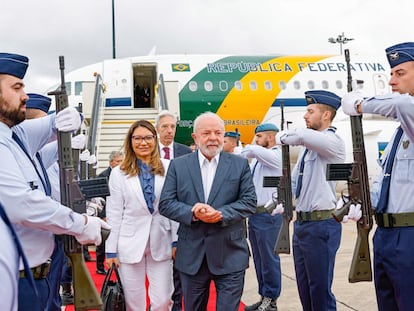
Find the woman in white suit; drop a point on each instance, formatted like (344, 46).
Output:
(140, 243)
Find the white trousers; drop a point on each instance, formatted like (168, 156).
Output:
(160, 277)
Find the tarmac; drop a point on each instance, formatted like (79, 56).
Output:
(349, 296)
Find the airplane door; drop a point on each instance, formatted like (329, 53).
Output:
(117, 76)
(381, 84)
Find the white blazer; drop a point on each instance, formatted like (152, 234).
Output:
(132, 224)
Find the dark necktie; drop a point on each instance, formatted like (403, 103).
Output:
(19, 247)
(167, 152)
(385, 187)
(45, 182)
(301, 167)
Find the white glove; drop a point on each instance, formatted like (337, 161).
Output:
(92, 159)
(92, 208)
(354, 213)
(270, 206)
(349, 101)
(78, 141)
(100, 201)
(85, 155)
(278, 210)
(68, 120)
(91, 233)
(278, 136)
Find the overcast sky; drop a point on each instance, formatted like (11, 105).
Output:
(81, 30)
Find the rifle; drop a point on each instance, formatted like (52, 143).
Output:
(284, 196)
(86, 296)
(356, 175)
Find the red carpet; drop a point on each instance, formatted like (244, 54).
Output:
(98, 280)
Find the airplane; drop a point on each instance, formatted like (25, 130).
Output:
(244, 91)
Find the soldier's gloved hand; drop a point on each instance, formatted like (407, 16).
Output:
(354, 213)
(85, 155)
(278, 210)
(92, 159)
(78, 141)
(92, 208)
(91, 233)
(280, 135)
(349, 102)
(68, 120)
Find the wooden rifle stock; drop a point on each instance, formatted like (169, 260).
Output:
(284, 196)
(86, 296)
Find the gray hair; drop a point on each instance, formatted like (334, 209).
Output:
(115, 154)
(164, 113)
(204, 115)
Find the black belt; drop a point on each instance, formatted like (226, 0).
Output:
(314, 216)
(385, 220)
(39, 272)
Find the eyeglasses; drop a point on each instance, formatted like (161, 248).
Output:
(138, 139)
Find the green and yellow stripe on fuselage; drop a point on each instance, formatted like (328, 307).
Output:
(241, 109)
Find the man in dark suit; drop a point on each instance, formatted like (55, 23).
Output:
(166, 125)
(210, 193)
(115, 159)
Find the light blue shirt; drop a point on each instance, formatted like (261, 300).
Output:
(34, 215)
(401, 108)
(266, 162)
(9, 267)
(324, 147)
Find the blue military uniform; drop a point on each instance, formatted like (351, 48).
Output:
(49, 155)
(34, 215)
(263, 227)
(316, 235)
(392, 198)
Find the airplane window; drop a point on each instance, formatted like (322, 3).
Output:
(311, 85)
(78, 87)
(282, 85)
(339, 84)
(238, 85)
(253, 85)
(223, 86)
(296, 85)
(325, 85)
(193, 86)
(208, 86)
(268, 85)
(68, 88)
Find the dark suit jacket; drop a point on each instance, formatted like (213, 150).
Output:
(180, 149)
(223, 244)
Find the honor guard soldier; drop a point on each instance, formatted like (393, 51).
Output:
(24, 189)
(391, 193)
(231, 140)
(316, 235)
(264, 227)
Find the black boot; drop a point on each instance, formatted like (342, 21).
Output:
(253, 307)
(67, 295)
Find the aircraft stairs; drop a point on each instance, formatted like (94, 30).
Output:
(114, 127)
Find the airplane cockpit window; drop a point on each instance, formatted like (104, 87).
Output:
(282, 85)
(238, 85)
(325, 84)
(78, 87)
(253, 85)
(68, 86)
(311, 85)
(193, 86)
(223, 86)
(208, 86)
(268, 85)
(296, 85)
(339, 84)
